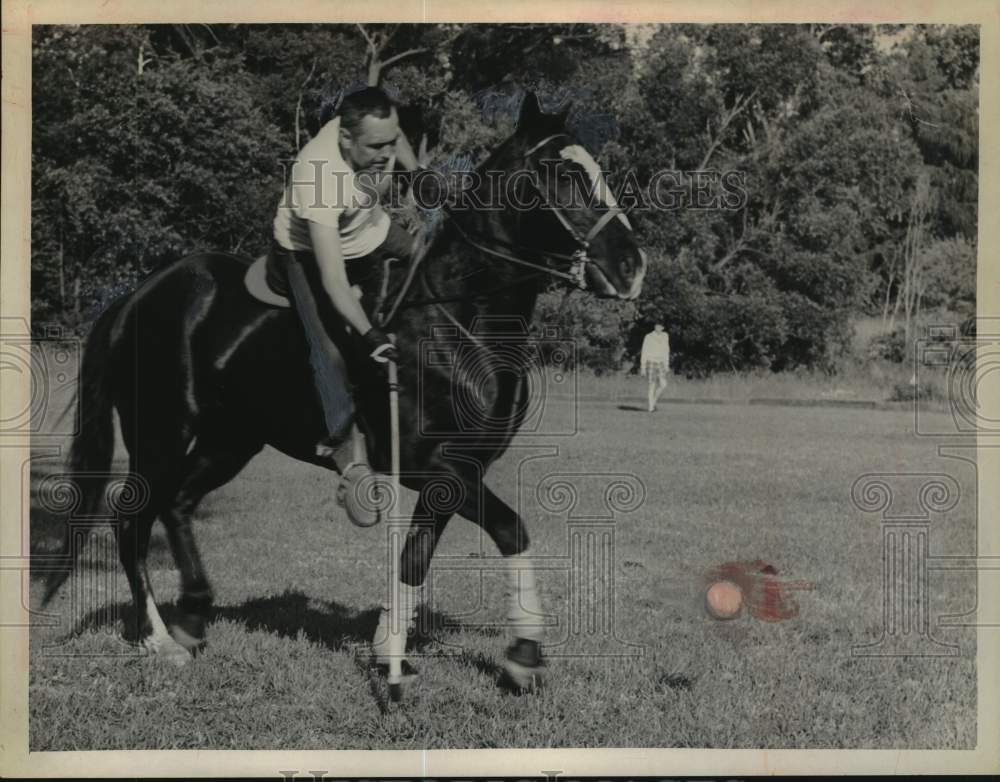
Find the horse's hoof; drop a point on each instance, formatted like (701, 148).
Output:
(409, 670)
(193, 645)
(523, 668)
(177, 655)
(518, 680)
(408, 673)
(167, 649)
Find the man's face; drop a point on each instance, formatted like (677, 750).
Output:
(659, 328)
(372, 144)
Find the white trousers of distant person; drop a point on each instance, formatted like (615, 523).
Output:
(657, 373)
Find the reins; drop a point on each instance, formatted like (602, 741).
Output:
(576, 274)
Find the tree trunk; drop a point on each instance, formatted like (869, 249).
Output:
(912, 257)
(890, 279)
(899, 300)
(62, 274)
(298, 105)
(887, 299)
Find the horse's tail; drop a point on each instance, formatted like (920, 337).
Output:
(93, 445)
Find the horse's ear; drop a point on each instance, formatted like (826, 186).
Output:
(531, 112)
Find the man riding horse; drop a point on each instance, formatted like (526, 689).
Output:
(329, 220)
(203, 375)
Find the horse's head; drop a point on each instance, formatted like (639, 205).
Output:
(560, 207)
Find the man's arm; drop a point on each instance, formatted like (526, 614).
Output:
(644, 355)
(330, 257)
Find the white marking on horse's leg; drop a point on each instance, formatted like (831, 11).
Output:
(159, 641)
(159, 634)
(358, 444)
(523, 662)
(394, 622)
(524, 608)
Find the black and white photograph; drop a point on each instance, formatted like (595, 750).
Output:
(500, 384)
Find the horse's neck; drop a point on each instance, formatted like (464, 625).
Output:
(500, 290)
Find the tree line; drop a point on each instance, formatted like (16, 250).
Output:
(855, 145)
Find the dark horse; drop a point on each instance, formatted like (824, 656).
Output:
(203, 376)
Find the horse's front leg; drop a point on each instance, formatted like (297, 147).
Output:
(523, 664)
(405, 582)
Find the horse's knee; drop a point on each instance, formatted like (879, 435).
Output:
(511, 539)
(415, 559)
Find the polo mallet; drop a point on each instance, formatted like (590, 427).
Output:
(397, 647)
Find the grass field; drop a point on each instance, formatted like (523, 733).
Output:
(297, 588)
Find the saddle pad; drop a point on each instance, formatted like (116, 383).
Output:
(256, 283)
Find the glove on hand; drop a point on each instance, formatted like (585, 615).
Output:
(381, 350)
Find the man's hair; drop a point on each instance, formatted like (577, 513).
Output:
(357, 105)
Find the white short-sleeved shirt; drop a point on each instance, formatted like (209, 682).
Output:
(655, 348)
(323, 189)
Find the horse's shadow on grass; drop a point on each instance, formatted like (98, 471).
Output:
(339, 628)
(293, 614)
(331, 624)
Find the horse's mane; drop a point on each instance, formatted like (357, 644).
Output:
(434, 231)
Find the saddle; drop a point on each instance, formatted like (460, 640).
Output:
(255, 281)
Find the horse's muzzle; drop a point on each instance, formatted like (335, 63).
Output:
(638, 279)
(599, 283)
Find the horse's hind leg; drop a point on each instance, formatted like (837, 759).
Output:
(133, 533)
(215, 460)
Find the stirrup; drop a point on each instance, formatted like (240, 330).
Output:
(329, 445)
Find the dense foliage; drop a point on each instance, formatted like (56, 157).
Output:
(855, 148)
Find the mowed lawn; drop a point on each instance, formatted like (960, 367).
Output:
(297, 589)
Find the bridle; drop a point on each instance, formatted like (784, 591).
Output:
(578, 259)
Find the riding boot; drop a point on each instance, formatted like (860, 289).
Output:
(364, 495)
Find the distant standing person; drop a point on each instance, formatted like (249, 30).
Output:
(655, 362)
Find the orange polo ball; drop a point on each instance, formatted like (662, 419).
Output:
(724, 600)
